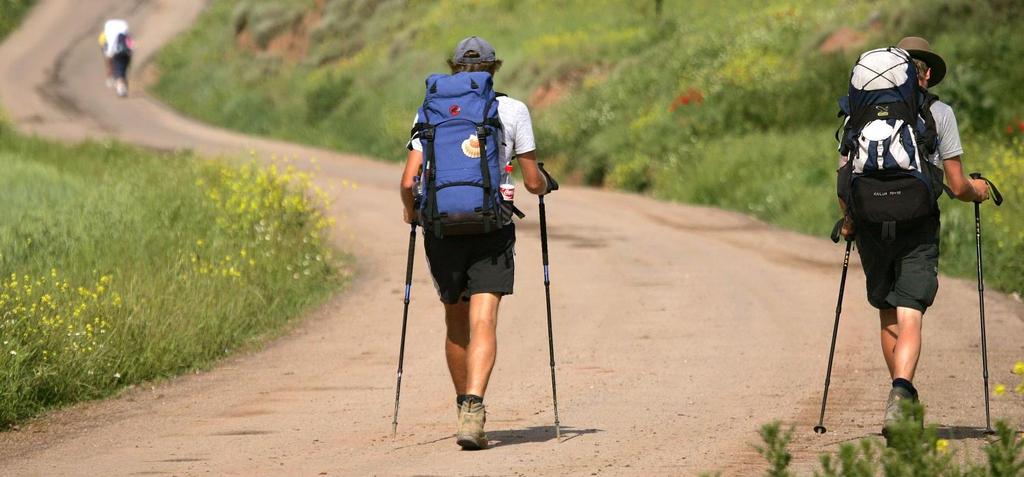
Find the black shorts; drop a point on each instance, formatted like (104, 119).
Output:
(120, 64)
(904, 273)
(463, 265)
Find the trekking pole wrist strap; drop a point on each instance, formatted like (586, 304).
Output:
(993, 191)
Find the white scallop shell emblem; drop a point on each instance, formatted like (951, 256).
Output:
(471, 147)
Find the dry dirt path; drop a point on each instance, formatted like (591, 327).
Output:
(679, 330)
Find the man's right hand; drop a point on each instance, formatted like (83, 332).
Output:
(551, 184)
(409, 216)
(847, 230)
(980, 189)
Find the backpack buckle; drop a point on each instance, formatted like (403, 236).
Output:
(888, 231)
(481, 131)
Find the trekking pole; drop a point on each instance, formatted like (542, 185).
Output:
(552, 186)
(820, 428)
(405, 320)
(998, 199)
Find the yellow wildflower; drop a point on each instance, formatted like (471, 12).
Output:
(942, 445)
(1000, 389)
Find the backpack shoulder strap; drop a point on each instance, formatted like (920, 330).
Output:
(930, 135)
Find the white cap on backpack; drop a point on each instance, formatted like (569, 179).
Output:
(484, 51)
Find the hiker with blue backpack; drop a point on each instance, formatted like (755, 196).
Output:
(897, 144)
(463, 137)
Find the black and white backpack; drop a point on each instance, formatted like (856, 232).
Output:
(888, 135)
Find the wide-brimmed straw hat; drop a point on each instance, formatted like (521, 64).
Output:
(920, 49)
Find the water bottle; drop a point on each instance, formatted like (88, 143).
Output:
(508, 184)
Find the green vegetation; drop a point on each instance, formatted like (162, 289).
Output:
(119, 265)
(726, 103)
(912, 451)
(12, 11)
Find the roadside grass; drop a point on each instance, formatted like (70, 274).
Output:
(119, 265)
(12, 11)
(730, 104)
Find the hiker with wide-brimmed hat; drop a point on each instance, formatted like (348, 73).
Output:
(901, 262)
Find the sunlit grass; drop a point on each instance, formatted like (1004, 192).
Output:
(119, 265)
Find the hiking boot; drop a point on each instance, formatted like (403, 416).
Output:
(893, 409)
(472, 416)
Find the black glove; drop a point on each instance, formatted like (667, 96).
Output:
(552, 185)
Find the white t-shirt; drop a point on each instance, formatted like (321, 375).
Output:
(517, 125)
(111, 30)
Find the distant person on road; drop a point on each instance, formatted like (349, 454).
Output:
(473, 272)
(902, 270)
(116, 44)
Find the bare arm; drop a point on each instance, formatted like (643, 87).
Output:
(532, 177)
(412, 169)
(847, 230)
(965, 189)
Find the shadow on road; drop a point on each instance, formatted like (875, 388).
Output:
(956, 433)
(534, 434)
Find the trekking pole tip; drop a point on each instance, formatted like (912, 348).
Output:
(819, 429)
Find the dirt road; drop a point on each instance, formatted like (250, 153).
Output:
(679, 330)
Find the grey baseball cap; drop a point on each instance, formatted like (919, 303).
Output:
(483, 49)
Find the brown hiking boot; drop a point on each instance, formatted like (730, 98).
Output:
(893, 408)
(472, 416)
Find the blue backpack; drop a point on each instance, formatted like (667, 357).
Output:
(461, 135)
(888, 134)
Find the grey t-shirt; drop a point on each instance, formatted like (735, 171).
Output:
(517, 125)
(948, 132)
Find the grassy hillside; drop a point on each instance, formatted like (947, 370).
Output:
(12, 11)
(118, 266)
(726, 103)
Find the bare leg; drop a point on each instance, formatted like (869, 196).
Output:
(908, 344)
(456, 317)
(889, 334)
(483, 343)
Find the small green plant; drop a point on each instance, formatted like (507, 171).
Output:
(774, 449)
(911, 450)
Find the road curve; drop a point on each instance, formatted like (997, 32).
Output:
(679, 330)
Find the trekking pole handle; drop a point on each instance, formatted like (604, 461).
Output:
(552, 185)
(996, 196)
(837, 231)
